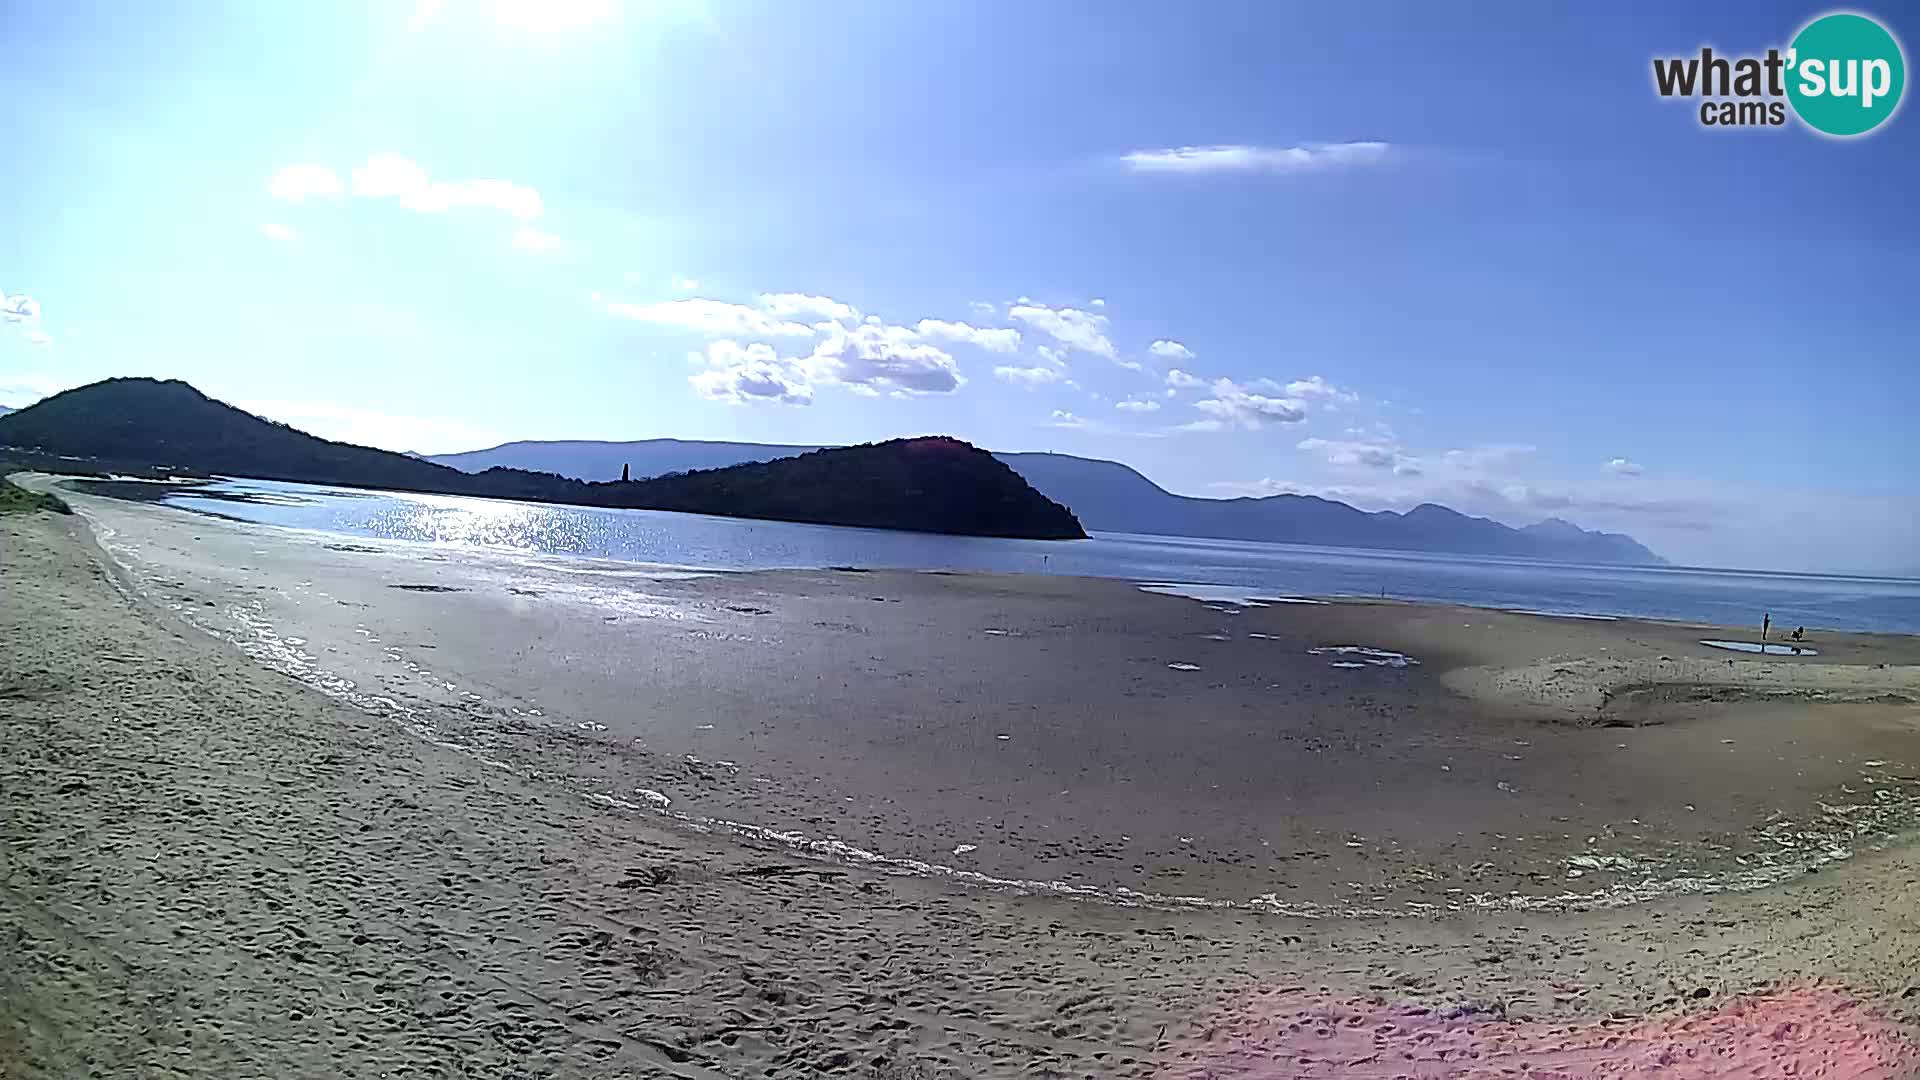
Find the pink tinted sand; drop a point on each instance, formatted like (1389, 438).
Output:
(1812, 1031)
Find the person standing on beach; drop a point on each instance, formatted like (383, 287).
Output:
(1766, 623)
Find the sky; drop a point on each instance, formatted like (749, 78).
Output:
(1386, 253)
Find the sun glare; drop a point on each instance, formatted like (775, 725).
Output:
(554, 15)
(534, 16)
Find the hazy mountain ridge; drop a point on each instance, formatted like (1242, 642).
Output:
(1112, 497)
(934, 484)
(590, 460)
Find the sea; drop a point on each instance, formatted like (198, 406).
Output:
(1207, 569)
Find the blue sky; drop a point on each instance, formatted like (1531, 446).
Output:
(1417, 256)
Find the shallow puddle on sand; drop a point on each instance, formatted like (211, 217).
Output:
(1564, 614)
(1353, 656)
(1239, 595)
(1771, 648)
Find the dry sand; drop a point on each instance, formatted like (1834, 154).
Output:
(213, 869)
(1088, 736)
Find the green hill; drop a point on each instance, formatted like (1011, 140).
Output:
(934, 484)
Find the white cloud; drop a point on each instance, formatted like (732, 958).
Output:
(1243, 158)
(1241, 407)
(1476, 480)
(391, 176)
(1363, 453)
(1688, 519)
(1097, 302)
(1054, 370)
(1315, 388)
(742, 374)
(716, 318)
(1265, 486)
(1064, 419)
(875, 356)
(19, 308)
(1170, 350)
(1201, 425)
(20, 390)
(1489, 456)
(795, 305)
(982, 307)
(23, 311)
(1028, 376)
(685, 284)
(1351, 452)
(992, 339)
(275, 231)
(1076, 329)
(868, 356)
(529, 239)
(298, 183)
(1138, 405)
(1180, 380)
(1622, 467)
(1386, 496)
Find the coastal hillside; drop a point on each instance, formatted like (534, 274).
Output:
(585, 459)
(926, 485)
(1112, 497)
(169, 424)
(933, 484)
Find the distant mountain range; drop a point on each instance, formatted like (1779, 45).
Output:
(933, 484)
(1111, 497)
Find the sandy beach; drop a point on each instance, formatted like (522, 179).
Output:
(298, 804)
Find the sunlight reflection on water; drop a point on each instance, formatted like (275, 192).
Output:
(1243, 569)
(456, 520)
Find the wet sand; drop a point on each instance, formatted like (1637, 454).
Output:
(214, 868)
(1091, 735)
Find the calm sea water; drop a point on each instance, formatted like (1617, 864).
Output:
(1735, 597)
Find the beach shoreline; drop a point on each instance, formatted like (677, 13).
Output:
(1233, 568)
(220, 768)
(1084, 737)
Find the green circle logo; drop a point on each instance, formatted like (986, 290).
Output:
(1845, 73)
